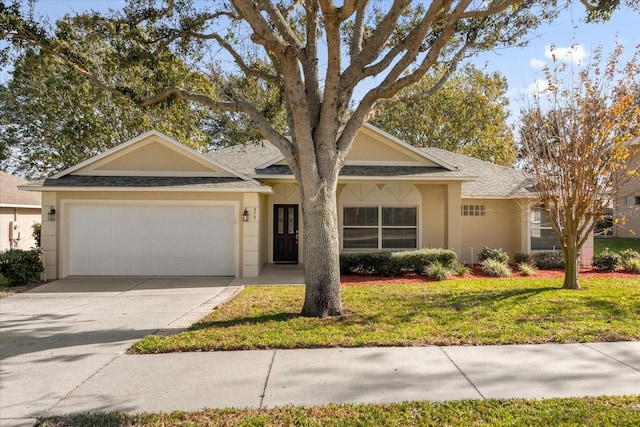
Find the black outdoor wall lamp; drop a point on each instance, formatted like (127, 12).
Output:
(52, 214)
(245, 215)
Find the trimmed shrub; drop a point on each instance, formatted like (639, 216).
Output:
(417, 261)
(495, 254)
(632, 265)
(437, 271)
(548, 260)
(21, 267)
(607, 260)
(522, 258)
(349, 263)
(495, 268)
(395, 263)
(527, 269)
(628, 254)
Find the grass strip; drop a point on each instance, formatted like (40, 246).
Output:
(602, 411)
(460, 312)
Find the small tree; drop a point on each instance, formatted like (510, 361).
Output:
(576, 139)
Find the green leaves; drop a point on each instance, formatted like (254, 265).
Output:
(53, 117)
(467, 115)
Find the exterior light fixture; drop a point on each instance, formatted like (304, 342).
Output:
(52, 214)
(245, 215)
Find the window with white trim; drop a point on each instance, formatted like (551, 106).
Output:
(633, 201)
(542, 236)
(380, 227)
(472, 210)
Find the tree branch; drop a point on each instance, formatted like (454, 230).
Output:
(265, 129)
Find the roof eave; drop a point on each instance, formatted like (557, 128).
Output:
(261, 189)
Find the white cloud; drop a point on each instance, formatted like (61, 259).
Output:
(575, 53)
(537, 63)
(537, 87)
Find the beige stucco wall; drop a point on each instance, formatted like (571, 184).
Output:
(49, 236)
(153, 157)
(24, 218)
(362, 150)
(264, 229)
(433, 215)
(628, 216)
(251, 264)
(501, 227)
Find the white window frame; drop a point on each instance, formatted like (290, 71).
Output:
(380, 227)
(536, 224)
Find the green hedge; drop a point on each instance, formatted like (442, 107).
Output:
(21, 267)
(548, 260)
(390, 264)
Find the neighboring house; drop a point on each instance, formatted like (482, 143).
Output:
(627, 203)
(19, 210)
(152, 206)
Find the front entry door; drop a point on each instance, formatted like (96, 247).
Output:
(285, 233)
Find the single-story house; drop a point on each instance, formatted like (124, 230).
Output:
(152, 206)
(19, 210)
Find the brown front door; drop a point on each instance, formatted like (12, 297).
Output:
(285, 233)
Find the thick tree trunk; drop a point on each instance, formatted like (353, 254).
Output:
(321, 255)
(571, 268)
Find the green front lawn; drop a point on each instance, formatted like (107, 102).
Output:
(616, 244)
(601, 411)
(457, 312)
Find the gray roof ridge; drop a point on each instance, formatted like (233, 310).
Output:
(475, 159)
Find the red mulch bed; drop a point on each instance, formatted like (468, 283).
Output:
(585, 272)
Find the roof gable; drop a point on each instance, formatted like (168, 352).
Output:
(151, 154)
(374, 147)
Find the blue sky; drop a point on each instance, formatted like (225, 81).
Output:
(521, 66)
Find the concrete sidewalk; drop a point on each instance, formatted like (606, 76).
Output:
(268, 378)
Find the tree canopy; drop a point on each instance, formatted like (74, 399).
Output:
(53, 118)
(466, 115)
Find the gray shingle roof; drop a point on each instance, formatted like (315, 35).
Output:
(11, 195)
(150, 182)
(246, 158)
(491, 180)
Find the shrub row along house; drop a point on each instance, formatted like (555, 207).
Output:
(152, 206)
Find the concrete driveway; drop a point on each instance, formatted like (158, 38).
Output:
(56, 336)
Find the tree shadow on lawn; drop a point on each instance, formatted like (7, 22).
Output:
(416, 305)
(461, 301)
(244, 321)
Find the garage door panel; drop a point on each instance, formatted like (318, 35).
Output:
(151, 240)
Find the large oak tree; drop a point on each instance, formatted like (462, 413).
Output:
(319, 53)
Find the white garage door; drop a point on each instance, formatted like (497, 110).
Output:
(152, 240)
